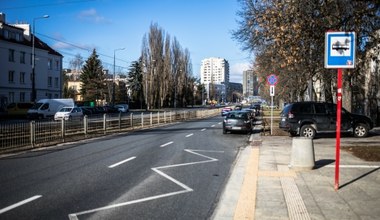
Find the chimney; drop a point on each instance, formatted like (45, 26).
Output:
(2, 17)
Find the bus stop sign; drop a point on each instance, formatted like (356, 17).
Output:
(340, 50)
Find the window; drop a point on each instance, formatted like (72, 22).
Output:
(22, 96)
(11, 56)
(22, 57)
(11, 96)
(22, 77)
(57, 65)
(56, 80)
(50, 83)
(11, 76)
(50, 63)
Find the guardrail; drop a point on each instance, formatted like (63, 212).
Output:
(34, 134)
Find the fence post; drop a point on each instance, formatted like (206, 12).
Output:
(164, 117)
(119, 121)
(142, 119)
(158, 118)
(63, 129)
(105, 123)
(85, 125)
(151, 118)
(32, 133)
(131, 117)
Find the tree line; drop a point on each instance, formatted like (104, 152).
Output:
(161, 77)
(288, 39)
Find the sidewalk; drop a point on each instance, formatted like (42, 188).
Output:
(282, 193)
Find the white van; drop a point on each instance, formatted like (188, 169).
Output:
(46, 108)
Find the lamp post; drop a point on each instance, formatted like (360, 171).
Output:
(34, 93)
(113, 83)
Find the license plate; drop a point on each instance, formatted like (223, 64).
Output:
(236, 128)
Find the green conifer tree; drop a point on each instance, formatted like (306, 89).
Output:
(93, 79)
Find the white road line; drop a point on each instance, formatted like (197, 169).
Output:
(355, 166)
(186, 189)
(6, 209)
(203, 129)
(212, 126)
(189, 135)
(220, 123)
(121, 162)
(164, 145)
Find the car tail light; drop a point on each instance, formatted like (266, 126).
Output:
(290, 115)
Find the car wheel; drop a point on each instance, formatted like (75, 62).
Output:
(224, 131)
(307, 131)
(361, 130)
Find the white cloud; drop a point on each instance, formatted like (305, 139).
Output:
(92, 16)
(236, 71)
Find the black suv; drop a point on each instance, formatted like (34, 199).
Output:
(308, 118)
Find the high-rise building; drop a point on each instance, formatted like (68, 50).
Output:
(215, 70)
(250, 84)
(215, 75)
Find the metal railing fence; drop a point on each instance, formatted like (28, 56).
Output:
(34, 134)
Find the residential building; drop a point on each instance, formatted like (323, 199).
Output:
(215, 73)
(16, 58)
(250, 84)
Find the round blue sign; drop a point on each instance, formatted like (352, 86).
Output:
(272, 79)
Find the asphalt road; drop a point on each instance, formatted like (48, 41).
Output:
(171, 172)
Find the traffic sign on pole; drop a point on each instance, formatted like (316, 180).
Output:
(339, 53)
(271, 90)
(272, 79)
(340, 50)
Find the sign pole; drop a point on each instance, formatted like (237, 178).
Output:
(338, 123)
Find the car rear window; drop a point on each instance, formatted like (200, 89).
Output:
(239, 115)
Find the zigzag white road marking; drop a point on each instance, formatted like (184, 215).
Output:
(186, 189)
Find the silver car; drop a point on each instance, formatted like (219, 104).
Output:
(67, 113)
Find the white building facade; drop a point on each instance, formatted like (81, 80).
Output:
(215, 75)
(16, 65)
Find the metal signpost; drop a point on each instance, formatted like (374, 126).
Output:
(272, 81)
(339, 53)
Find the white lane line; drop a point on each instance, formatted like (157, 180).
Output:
(212, 126)
(164, 145)
(186, 189)
(189, 135)
(220, 123)
(121, 162)
(203, 129)
(6, 209)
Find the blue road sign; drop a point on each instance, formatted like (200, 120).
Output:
(340, 50)
(272, 79)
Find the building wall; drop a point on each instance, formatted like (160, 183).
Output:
(215, 76)
(16, 66)
(250, 84)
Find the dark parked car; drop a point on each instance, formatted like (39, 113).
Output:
(237, 121)
(309, 118)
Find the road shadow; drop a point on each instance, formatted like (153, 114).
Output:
(322, 163)
(358, 178)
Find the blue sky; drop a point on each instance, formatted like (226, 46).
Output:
(77, 26)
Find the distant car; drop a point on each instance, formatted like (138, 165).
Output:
(225, 110)
(237, 121)
(122, 108)
(67, 113)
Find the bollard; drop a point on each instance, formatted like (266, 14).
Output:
(302, 155)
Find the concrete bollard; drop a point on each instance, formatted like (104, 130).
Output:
(302, 156)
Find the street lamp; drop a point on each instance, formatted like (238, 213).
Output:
(34, 93)
(113, 86)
